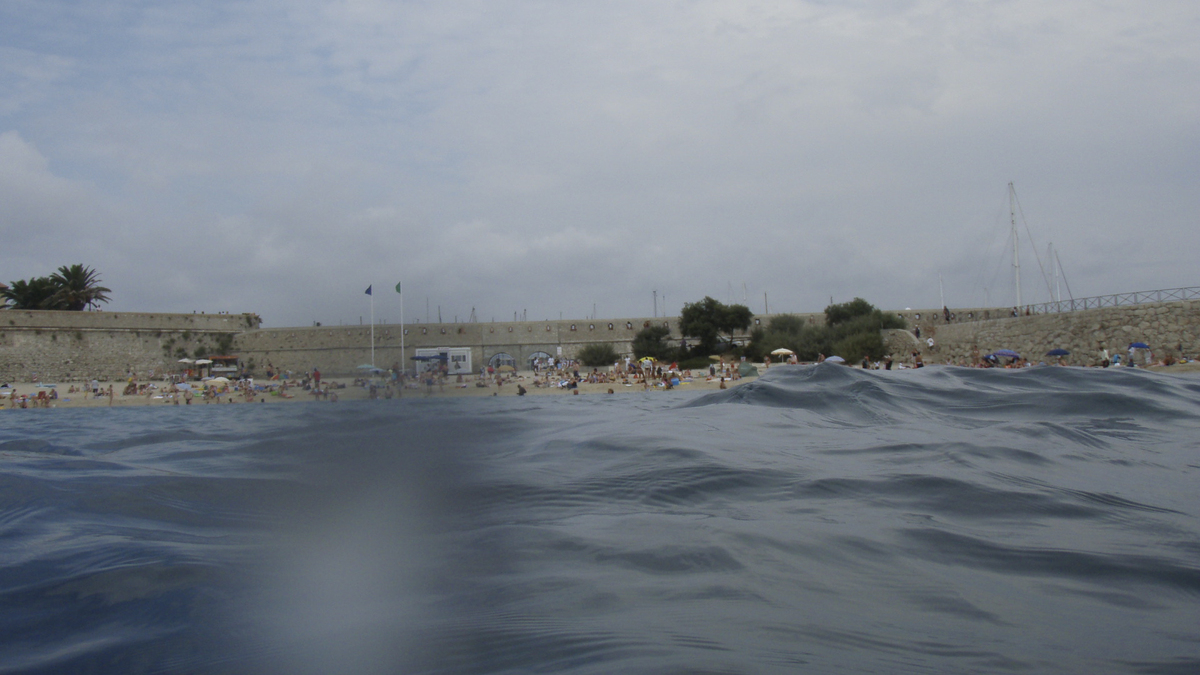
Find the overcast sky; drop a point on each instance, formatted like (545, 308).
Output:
(278, 156)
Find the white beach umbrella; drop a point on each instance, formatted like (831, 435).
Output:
(185, 361)
(783, 351)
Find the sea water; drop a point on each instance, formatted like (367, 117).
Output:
(818, 520)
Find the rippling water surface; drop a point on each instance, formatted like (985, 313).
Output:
(819, 520)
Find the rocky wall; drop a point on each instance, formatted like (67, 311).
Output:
(338, 350)
(76, 346)
(1171, 328)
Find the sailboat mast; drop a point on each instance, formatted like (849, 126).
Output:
(1012, 214)
(1055, 295)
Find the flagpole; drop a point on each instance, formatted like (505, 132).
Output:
(403, 362)
(372, 330)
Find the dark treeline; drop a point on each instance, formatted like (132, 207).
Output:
(851, 331)
(71, 288)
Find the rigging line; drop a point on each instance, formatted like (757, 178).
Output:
(1064, 275)
(998, 218)
(1045, 278)
(996, 273)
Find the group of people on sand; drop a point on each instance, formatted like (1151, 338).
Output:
(43, 398)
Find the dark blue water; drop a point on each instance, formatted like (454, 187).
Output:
(820, 520)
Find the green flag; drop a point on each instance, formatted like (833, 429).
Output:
(397, 287)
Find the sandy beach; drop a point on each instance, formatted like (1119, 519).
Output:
(347, 391)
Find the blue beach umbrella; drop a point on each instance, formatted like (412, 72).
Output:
(1007, 353)
(1138, 345)
(1058, 352)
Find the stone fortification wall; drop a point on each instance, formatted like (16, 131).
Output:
(1169, 328)
(338, 350)
(65, 346)
(74, 346)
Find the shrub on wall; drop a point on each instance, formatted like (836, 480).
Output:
(598, 354)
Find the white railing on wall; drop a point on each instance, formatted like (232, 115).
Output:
(1115, 300)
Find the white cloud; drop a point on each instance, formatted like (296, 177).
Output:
(512, 155)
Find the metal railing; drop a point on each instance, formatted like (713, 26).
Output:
(1116, 300)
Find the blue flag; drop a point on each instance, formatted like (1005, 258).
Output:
(369, 289)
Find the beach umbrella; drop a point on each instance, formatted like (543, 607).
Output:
(218, 380)
(835, 359)
(1139, 345)
(1058, 352)
(1008, 353)
(783, 351)
(185, 361)
(201, 362)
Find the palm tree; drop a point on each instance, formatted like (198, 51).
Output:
(37, 293)
(78, 287)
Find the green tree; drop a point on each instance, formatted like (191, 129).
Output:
(70, 288)
(851, 330)
(78, 287)
(708, 319)
(652, 341)
(835, 314)
(37, 293)
(786, 323)
(857, 345)
(598, 354)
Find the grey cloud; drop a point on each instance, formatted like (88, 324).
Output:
(516, 155)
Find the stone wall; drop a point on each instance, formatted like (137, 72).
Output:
(1170, 328)
(66, 346)
(74, 346)
(338, 350)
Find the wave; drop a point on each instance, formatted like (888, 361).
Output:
(819, 519)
